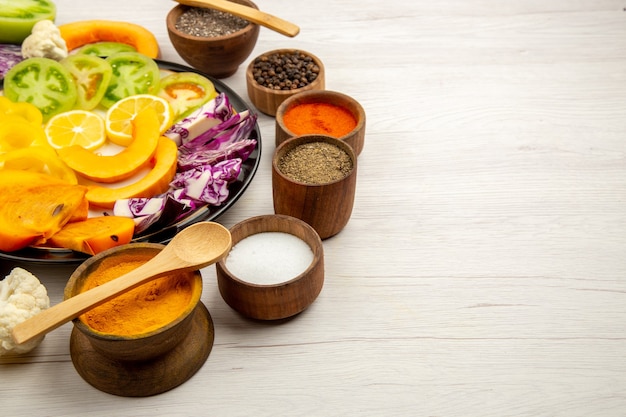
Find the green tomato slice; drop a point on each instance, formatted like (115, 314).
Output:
(42, 82)
(133, 73)
(17, 18)
(91, 75)
(104, 49)
(186, 91)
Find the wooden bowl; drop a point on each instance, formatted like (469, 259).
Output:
(133, 365)
(218, 56)
(280, 300)
(327, 207)
(266, 99)
(355, 138)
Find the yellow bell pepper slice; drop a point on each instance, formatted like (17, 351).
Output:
(28, 111)
(42, 159)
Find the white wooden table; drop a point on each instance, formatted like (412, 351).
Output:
(483, 272)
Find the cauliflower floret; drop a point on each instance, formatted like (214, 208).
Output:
(21, 297)
(44, 41)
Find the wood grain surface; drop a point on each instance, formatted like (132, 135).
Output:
(483, 271)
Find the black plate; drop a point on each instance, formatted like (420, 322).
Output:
(164, 235)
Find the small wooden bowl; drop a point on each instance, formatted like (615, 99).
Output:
(325, 207)
(355, 138)
(266, 99)
(273, 301)
(218, 56)
(134, 365)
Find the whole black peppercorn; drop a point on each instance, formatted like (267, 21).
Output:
(285, 70)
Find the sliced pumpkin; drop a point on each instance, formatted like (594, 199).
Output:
(155, 182)
(30, 214)
(83, 32)
(123, 165)
(94, 235)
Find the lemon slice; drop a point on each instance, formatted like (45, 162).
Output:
(76, 127)
(118, 118)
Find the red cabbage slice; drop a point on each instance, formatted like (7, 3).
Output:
(9, 56)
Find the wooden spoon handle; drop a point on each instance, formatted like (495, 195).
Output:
(249, 13)
(55, 316)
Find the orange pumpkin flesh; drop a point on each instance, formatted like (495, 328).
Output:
(123, 165)
(80, 33)
(94, 235)
(155, 182)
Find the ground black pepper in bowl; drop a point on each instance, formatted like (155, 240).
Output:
(285, 70)
(209, 23)
(316, 163)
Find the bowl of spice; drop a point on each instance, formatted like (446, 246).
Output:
(274, 76)
(314, 180)
(275, 268)
(323, 113)
(212, 41)
(125, 345)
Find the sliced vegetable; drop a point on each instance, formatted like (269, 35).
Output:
(94, 235)
(9, 56)
(104, 49)
(154, 183)
(153, 212)
(17, 133)
(133, 73)
(123, 165)
(30, 214)
(92, 75)
(236, 128)
(17, 18)
(42, 82)
(77, 34)
(41, 159)
(26, 111)
(208, 183)
(186, 91)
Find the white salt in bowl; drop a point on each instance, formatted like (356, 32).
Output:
(275, 268)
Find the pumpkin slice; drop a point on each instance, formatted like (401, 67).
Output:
(30, 214)
(83, 32)
(123, 165)
(155, 182)
(94, 235)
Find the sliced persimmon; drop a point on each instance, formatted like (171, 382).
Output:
(94, 235)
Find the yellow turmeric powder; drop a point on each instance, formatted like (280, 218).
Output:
(141, 310)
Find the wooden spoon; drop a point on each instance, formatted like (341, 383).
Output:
(249, 13)
(195, 247)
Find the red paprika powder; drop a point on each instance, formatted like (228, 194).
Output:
(319, 118)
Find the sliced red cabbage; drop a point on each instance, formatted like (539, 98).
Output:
(235, 128)
(188, 159)
(9, 56)
(208, 115)
(208, 183)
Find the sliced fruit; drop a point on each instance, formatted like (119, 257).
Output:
(133, 73)
(123, 165)
(77, 34)
(42, 82)
(186, 91)
(118, 120)
(17, 18)
(30, 214)
(94, 235)
(92, 75)
(104, 49)
(155, 182)
(39, 159)
(76, 128)
(17, 133)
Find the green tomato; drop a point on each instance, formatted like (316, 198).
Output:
(92, 75)
(42, 82)
(186, 91)
(17, 18)
(133, 73)
(105, 49)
